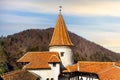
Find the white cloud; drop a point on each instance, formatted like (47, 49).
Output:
(31, 6)
(110, 8)
(77, 7)
(8, 18)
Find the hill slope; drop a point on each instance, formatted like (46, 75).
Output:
(15, 46)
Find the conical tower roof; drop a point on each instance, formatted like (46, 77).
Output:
(60, 35)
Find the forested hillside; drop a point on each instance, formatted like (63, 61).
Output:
(15, 46)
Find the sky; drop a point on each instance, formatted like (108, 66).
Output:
(95, 20)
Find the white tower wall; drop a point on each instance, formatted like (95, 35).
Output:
(65, 54)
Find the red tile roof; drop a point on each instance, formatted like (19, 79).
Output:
(117, 63)
(54, 58)
(60, 34)
(19, 75)
(112, 73)
(39, 60)
(105, 70)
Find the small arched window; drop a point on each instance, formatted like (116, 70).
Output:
(54, 64)
(52, 78)
(37, 79)
(47, 79)
(62, 54)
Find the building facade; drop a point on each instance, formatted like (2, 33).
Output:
(58, 63)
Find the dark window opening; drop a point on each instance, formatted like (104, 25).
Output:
(47, 79)
(62, 54)
(37, 79)
(52, 78)
(54, 64)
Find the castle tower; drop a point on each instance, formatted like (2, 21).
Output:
(61, 42)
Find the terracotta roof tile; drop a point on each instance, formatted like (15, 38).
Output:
(39, 59)
(18, 75)
(60, 34)
(105, 70)
(54, 58)
(93, 67)
(112, 74)
(35, 65)
(71, 68)
(117, 63)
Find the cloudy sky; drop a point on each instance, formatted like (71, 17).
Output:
(95, 20)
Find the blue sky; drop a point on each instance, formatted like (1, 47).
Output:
(95, 20)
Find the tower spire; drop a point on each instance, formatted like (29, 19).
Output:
(60, 35)
(61, 42)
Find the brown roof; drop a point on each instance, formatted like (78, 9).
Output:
(39, 60)
(105, 70)
(71, 68)
(19, 75)
(117, 63)
(112, 73)
(60, 34)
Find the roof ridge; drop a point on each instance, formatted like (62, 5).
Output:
(92, 62)
(42, 52)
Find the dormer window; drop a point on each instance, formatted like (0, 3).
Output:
(62, 54)
(54, 64)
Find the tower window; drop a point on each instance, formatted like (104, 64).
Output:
(47, 79)
(37, 79)
(52, 78)
(62, 54)
(54, 64)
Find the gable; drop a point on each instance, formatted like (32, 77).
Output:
(39, 60)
